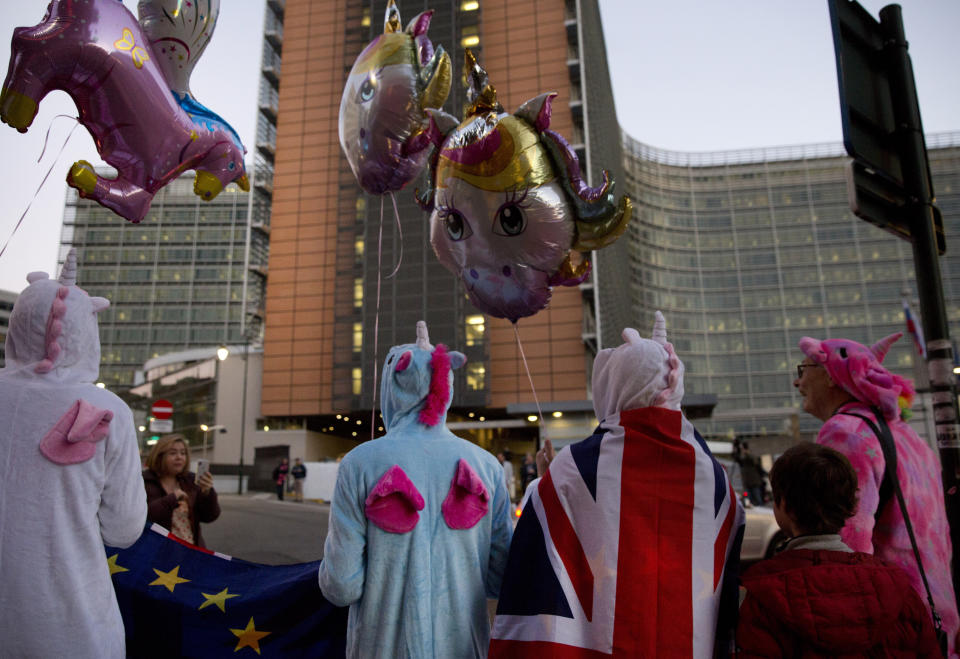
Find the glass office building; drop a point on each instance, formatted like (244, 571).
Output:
(747, 251)
(175, 281)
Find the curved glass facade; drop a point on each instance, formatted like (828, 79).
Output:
(747, 251)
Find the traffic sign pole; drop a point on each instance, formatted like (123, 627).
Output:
(917, 183)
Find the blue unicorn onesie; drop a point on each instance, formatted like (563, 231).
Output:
(419, 525)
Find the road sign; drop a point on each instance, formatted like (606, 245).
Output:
(161, 425)
(162, 409)
(872, 132)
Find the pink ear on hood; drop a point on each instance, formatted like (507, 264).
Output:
(72, 439)
(466, 503)
(393, 503)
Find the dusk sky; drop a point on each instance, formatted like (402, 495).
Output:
(688, 75)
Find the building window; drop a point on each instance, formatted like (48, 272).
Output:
(365, 21)
(357, 293)
(469, 5)
(474, 330)
(476, 376)
(358, 249)
(357, 381)
(470, 37)
(357, 337)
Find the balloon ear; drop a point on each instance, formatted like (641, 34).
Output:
(99, 304)
(537, 111)
(419, 24)
(37, 276)
(435, 77)
(457, 359)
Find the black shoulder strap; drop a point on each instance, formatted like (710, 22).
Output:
(885, 437)
(890, 465)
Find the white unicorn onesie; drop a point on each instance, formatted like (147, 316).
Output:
(69, 478)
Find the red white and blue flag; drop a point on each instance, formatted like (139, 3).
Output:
(625, 549)
(915, 329)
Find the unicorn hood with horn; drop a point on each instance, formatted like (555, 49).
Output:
(419, 525)
(69, 477)
(858, 370)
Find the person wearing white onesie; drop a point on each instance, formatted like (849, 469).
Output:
(69, 478)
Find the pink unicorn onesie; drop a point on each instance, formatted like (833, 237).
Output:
(419, 523)
(69, 478)
(629, 545)
(858, 371)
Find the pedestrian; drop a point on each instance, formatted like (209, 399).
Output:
(628, 545)
(508, 474)
(845, 385)
(817, 597)
(177, 499)
(280, 473)
(299, 473)
(753, 475)
(528, 471)
(419, 523)
(69, 478)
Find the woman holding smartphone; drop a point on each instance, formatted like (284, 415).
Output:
(177, 499)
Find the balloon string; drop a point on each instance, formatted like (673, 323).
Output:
(530, 378)
(376, 327)
(396, 215)
(49, 171)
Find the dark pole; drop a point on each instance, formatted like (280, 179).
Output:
(919, 188)
(243, 412)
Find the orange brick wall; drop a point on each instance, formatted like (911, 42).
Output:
(524, 61)
(300, 308)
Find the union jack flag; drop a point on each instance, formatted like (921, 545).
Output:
(915, 330)
(625, 549)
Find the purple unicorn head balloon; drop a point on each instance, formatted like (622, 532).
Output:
(511, 213)
(383, 120)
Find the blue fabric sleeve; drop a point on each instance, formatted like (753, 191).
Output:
(343, 568)
(500, 533)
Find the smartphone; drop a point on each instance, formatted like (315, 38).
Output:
(203, 466)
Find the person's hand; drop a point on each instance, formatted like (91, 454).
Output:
(544, 457)
(205, 482)
(182, 501)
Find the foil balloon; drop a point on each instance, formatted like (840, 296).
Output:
(383, 119)
(97, 53)
(511, 212)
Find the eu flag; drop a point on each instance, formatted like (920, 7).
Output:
(178, 600)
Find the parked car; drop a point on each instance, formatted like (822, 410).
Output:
(761, 535)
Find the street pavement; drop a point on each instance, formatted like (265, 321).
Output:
(257, 527)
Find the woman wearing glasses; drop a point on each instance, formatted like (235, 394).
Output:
(176, 499)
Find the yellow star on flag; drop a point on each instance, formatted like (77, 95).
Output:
(114, 568)
(168, 579)
(249, 637)
(219, 599)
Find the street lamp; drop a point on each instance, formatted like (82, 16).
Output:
(222, 353)
(243, 410)
(206, 429)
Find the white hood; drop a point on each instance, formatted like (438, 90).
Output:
(638, 373)
(53, 328)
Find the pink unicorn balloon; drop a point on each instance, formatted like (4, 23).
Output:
(97, 53)
(383, 118)
(511, 213)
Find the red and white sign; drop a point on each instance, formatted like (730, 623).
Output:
(162, 409)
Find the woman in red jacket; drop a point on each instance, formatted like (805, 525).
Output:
(176, 499)
(817, 597)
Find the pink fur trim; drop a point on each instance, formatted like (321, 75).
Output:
(673, 377)
(72, 439)
(436, 404)
(54, 328)
(466, 502)
(393, 503)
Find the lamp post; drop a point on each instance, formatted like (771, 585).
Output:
(243, 411)
(206, 430)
